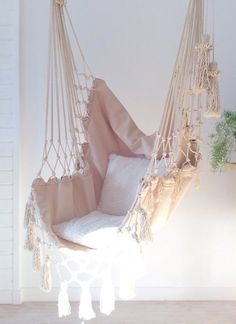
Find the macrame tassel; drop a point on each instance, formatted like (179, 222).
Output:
(61, 2)
(131, 268)
(127, 282)
(30, 236)
(141, 230)
(200, 76)
(213, 96)
(64, 308)
(107, 297)
(28, 212)
(37, 256)
(46, 284)
(145, 233)
(85, 308)
(29, 223)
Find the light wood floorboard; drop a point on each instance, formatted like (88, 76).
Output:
(127, 313)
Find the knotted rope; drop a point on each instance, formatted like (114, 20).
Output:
(61, 2)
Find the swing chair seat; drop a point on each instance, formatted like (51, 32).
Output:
(100, 227)
(95, 230)
(102, 172)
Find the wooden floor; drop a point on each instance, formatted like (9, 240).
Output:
(127, 313)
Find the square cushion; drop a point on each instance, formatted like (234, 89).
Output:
(95, 230)
(121, 183)
(99, 228)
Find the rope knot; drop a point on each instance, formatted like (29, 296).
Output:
(61, 2)
(204, 47)
(214, 74)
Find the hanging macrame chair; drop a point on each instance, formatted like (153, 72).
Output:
(90, 140)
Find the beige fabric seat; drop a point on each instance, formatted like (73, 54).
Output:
(98, 228)
(111, 131)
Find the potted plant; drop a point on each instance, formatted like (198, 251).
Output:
(223, 142)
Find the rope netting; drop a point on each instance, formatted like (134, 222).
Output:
(69, 84)
(193, 92)
(80, 268)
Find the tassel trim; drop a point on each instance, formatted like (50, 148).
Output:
(213, 95)
(30, 236)
(138, 225)
(29, 223)
(46, 280)
(64, 307)
(29, 211)
(107, 296)
(37, 256)
(127, 281)
(201, 78)
(86, 311)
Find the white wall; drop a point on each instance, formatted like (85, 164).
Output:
(132, 45)
(9, 106)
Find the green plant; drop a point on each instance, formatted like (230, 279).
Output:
(223, 140)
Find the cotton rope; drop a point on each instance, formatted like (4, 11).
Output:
(194, 81)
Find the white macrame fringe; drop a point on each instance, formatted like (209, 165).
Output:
(37, 256)
(29, 223)
(213, 95)
(64, 308)
(46, 280)
(201, 77)
(138, 225)
(30, 236)
(127, 285)
(131, 268)
(143, 232)
(107, 296)
(28, 212)
(127, 278)
(61, 2)
(86, 311)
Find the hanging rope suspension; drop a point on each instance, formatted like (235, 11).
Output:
(67, 99)
(193, 83)
(85, 123)
(61, 2)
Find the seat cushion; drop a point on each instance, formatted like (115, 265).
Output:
(95, 230)
(121, 184)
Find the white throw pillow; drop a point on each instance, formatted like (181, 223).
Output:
(121, 183)
(95, 230)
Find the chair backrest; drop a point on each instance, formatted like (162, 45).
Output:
(111, 130)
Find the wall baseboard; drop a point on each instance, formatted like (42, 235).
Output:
(142, 293)
(8, 296)
(33, 294)
(17, 296)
